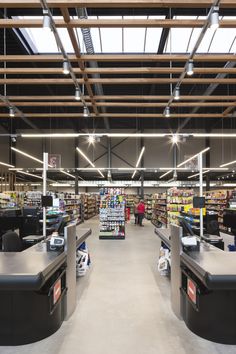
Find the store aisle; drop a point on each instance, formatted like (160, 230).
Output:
(123, 305)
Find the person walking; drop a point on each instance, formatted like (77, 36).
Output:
(141, 212)
(136, 213)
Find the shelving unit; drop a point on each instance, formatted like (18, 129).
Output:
(217, 201)
(112, 217)
(72, 205)
(90, 205)
(32, 198)
(148, 202)
(159, 214)
(176, 200)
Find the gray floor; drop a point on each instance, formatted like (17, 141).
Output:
(123, 305)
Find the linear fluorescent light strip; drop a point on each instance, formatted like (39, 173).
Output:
(193, 157)
(138, 161)
(165, 174)
(89, 161)
(28, 155)
(133, 174)
(130, 135)
(228, 163)
(68, 174)
(197, 174)
(29, 174)
(6, 164)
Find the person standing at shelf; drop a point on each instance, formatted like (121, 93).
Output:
(141, 212)
(136, 220)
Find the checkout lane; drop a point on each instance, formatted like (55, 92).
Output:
(206, 288)
(33, 288)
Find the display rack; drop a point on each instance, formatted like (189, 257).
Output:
(32, 198)
(148, 202)
(159, 215)
(177, 199)
(90, 205)
(217, 201)
(112, 217)
(72, 205)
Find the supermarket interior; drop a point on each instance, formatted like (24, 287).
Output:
(117, 176)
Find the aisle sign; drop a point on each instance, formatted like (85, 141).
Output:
(192, 291)
(54, 160)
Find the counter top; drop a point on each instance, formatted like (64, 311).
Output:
(215, 268)
(164, 235)
(30, 269)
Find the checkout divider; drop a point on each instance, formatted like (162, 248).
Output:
(38, 289)
(203, 286)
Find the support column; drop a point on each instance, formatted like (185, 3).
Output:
(109, 177)
(76, 166)
(45, 167)
(175, 160)
(12, 161)
(208, 163)
(142, 172)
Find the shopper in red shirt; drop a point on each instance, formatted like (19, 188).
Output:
(141, 212)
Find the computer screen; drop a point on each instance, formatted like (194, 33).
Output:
(62, 224)
(187, 230)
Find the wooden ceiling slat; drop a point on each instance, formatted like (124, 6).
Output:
(125, 97)
(115, 115)
(50, 58)
(120, 81)
(115, 70)
(121, 104)
(122, 23)
(115, 3)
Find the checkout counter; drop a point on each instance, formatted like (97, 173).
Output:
(203, 286)
(36, 288)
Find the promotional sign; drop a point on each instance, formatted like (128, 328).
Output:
(56, 291)
(192, 164)
(54, 160)
(192, 291)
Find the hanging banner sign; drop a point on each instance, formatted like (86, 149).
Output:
(54, 160)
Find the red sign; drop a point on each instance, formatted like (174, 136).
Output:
(56, 291)
(192, 291)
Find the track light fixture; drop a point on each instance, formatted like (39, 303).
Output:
(46, 20)
(11, 112)
(86, 112)
(65, 67)
(77, 94)
(177, 94)
(214, 19)
(167, 112)
(190, 67)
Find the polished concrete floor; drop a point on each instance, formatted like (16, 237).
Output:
(123, 305)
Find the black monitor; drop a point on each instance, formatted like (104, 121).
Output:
(60, 229)
(30, 211)
(187, 230)
(229, 218)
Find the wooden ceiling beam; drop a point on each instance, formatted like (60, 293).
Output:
(115, 71)
(54, 58)
(120, 81)
(121, 104)
(115, 3)
(124, 98)
(115, 115)
(122, 23)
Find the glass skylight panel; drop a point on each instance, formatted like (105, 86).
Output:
(111, 37)
(178, 38)
(222, 40)
(153, 36)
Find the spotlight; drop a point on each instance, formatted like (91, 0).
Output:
(86, 112)
(77, 94)
(46, 20)
(167, 112)
(65, 68)
(11, 112)
(91, 139)
(214, 19)
(175, 139)
(177, 94)
(190, 67)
